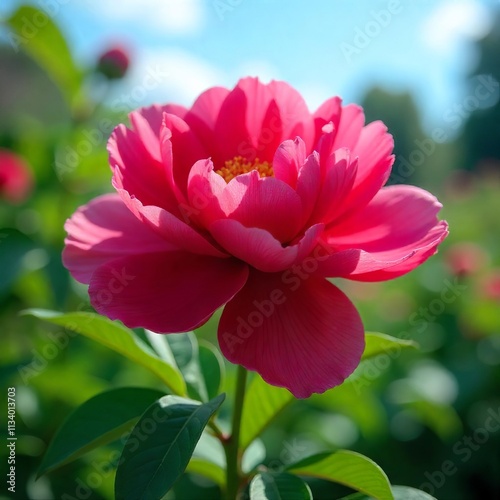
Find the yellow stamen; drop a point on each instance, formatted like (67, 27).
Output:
(239, 165)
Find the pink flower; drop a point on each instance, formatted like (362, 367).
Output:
(250, 201)
(16, 180)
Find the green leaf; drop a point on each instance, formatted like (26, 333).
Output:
(263, 402)
(160, 446)
(184, 347)
(119, 338)
(34, 32)
(207, 469)
(212, 367)
(407, 493)
(98, 421)
(279, 486)
(347, 468)
(380, 343)
(399, 492)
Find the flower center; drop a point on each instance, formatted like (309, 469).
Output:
(239, 165)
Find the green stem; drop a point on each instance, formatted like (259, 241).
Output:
(231, 446)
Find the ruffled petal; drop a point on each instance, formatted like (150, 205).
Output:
(165, 292)
(259, 248)
(104, 230)
(304, 335)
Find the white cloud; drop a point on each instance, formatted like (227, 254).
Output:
(171, 75)
(452, 21)
(175, 17)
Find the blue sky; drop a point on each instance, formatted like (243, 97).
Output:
(322, 47)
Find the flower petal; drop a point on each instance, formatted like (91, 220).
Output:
(399, 226)
(339, 177)
(136, 171)
(296, 119)
(266, 203)
(329, 111)
(165, 292)
(104, 230)
(259, 248)
(303, 335)
(173, 229)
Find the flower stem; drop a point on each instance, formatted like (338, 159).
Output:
(232, 443)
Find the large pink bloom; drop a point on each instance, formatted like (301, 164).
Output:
(250, 201)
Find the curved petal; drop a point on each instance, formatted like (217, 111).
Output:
(265, 203)
(352, 119)
(340, 173)
(374, 152)
(239, 123)
(104, 230)
(165, 292)
(303, 335)
(295, 117)
(328, 112)
(180, 150)
(288, 159)
(175, 230)
(399, 227)
(258, 248)
(136, 172)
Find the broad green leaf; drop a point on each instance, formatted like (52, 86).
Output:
(212, 367)
(348, 468)
(279, 486)
(34, 32)
(98, 421)
(262, 404)
(399, 492)
(184, 347)
(160, 446)
(207, 469)
(119, 338)
(380, 343)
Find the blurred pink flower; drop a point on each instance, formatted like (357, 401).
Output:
(114, 62)
(466, 258)
(250, 201)
(16, 180)
(490, 285)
